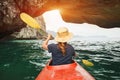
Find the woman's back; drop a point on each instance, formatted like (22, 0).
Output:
(57, 56)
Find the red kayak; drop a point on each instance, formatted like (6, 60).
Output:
(71, 71)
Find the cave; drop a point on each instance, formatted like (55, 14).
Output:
(104, 13)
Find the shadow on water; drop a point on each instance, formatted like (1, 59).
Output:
(24, 59)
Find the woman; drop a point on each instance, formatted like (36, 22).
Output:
(62, 66)
(62, 52)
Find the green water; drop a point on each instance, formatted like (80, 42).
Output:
(15, 60)
(24, 59)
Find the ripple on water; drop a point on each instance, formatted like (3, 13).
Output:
(28, 59)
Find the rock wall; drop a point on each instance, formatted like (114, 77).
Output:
(10, 22)
(104, 13)
(9, 18)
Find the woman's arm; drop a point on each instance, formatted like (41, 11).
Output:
(45, 43)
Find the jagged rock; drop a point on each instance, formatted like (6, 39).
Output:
(27, 33)
(9, 18)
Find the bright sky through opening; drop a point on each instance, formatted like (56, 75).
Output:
(54, 20)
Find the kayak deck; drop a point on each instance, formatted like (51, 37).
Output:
(71, 71)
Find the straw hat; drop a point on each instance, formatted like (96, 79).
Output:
(63, 35)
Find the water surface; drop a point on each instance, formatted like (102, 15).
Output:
(24, 59)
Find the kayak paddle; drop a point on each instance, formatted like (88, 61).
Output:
(32, 23)
(29, 21)
(87, 63)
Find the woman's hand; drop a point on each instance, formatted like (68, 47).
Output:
(45, 43)
(49, 36)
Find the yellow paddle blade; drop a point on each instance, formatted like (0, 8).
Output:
(29, 21)
(87, 63)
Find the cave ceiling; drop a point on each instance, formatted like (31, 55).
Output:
(104, 13)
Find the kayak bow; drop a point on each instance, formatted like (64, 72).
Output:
(71, 71)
